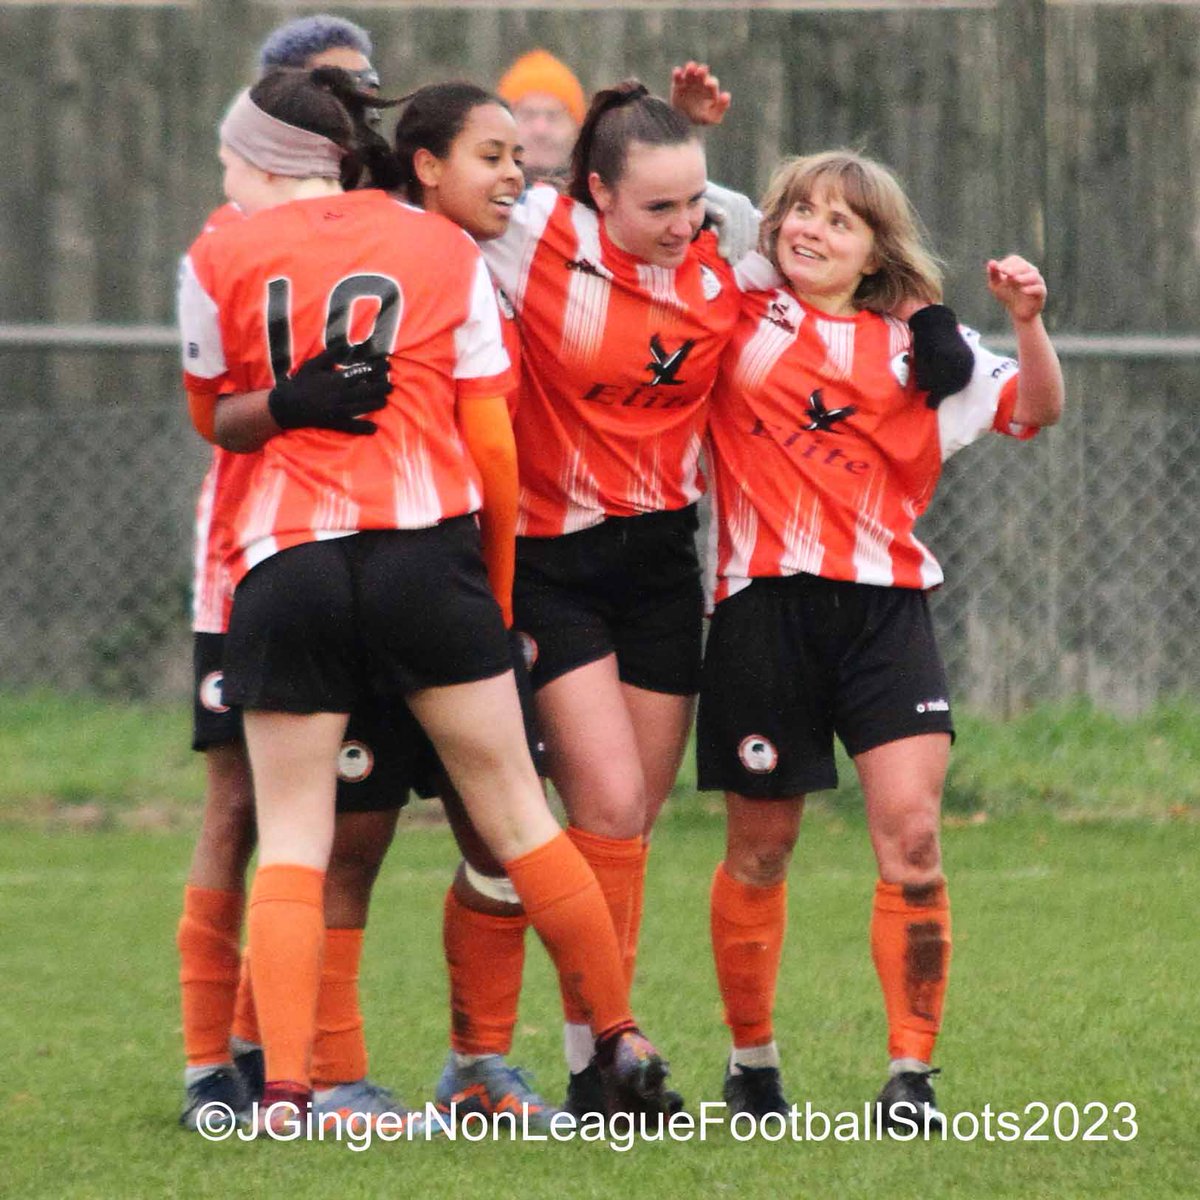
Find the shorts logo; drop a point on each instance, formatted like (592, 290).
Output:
(529, 650)
(758, 754)
(355, 762)
(929, 706)
(210, 692)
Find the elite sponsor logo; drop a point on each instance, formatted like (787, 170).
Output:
(900, 365)
(758, 754)
(663, 367)
(211, 692)
(822, 418)
(356, 761)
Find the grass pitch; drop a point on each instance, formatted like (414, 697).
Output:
(1073, 984)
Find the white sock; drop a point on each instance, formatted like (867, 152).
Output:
(240, 1046)
(469, 1060)
(195, 1074)
(753, 1056)
(578, 1047)
(899, 1065)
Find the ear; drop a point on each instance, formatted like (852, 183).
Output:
(602, 194)
(427, 167)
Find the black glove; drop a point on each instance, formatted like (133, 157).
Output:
(326, 394)
(942, 361)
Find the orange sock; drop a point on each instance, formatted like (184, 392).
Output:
(617, 865)
(245, 1019)
(635, 917)
(910, 943)
(485, 957)
(208, 971)
(287, 935)
(565, 905)
(340, 1046)
(748, 925)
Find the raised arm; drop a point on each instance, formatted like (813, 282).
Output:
(696, 92)
(1019, 286)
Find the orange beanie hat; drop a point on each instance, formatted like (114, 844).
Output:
(539, 71)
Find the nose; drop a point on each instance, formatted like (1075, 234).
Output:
(682, 226)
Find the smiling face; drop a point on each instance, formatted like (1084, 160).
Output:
(656, 207)
(480, 179)
(824, 249)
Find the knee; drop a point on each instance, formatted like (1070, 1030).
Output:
(914, 851)
(761, 863)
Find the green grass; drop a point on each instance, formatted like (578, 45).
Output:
(1071, 846)
(90, 763)
(1074, 980)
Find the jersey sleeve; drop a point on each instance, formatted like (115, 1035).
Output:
(984, 405)
(508, 256)
(481, 364)
(199, 328)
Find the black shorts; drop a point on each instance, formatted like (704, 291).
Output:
(790, 662)
(384, 754)
(629, 586)
(340, 625)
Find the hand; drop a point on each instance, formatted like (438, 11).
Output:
(696, 93)
(735, 219)
(942, 361)
(325, 394)
(1018, 285)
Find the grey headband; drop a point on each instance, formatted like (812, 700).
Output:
(275, 146)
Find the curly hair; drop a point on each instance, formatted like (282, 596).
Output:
(294, 43)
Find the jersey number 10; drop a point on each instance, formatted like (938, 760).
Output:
(339, 308)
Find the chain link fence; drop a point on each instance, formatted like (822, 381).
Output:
(1071, 562)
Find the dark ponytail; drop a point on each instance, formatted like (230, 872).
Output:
(433, 117)
(618, 116)
(326, 100)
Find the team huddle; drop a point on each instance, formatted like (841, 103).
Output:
(447, 543)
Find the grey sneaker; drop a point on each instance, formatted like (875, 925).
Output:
(489, 1086)
(363, 1097)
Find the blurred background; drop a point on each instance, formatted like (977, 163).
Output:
(1065, 130)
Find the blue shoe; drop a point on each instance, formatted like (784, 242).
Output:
(217, 1101)
(489, 1085)
(362, 1098)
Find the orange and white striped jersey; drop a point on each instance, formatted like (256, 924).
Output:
(619, 358)
(261, 296)
(823, 455)
(220, 494)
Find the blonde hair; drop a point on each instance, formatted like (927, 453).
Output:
(906, 267)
